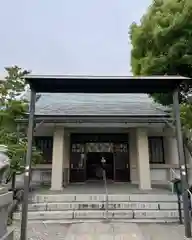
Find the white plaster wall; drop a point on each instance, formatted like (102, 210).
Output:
(157, 174)
(44, 131)
(36, 176)
(134, 174)
(41, 176)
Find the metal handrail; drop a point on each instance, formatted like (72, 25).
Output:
(190, 194)
(173, 173)
(106, 194)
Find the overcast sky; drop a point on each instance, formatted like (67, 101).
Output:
(68, 36)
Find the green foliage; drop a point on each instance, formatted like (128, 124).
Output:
(162, 41)
(12, 108)
(186, 116)
(162, 45)
(14, 84)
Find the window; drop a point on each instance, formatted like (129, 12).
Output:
(45, 144)
(156, 150)
(122, 147)
(78, 148)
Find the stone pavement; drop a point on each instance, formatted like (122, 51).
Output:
(103, 231)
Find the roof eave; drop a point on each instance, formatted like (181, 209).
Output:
(97, 119)
(103, 84)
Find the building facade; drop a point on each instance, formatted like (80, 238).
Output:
(128, 130)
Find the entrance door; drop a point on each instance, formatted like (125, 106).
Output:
(109, 165)
(77, 166)
(121, 162)
(94, 165)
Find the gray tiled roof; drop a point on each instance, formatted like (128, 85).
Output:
(69, 104)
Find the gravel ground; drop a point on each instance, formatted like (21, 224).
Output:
(90, 231)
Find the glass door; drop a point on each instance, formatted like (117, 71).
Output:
(77, 163)
(121, 163)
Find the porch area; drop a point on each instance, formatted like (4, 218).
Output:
(98, 187)
(144, 156)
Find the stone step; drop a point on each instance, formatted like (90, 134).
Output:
(99, 214)
(102, 205)
(72, 221)
(46, 198)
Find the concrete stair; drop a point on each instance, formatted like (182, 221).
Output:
(85, 207)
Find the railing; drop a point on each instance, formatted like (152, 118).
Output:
(190, 195)
(106, 195)
(173, 175)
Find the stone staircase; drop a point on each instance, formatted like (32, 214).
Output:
(90, 207)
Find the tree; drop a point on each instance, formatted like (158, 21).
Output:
(162, 45)
(12, 107)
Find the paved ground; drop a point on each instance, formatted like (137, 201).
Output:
(103, 231)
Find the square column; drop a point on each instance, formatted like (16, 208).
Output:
(171, 157)
(171, 152)
(133, 155)
(143, 159)
(57, 163)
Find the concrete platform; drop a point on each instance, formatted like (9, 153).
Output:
(97, 187)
